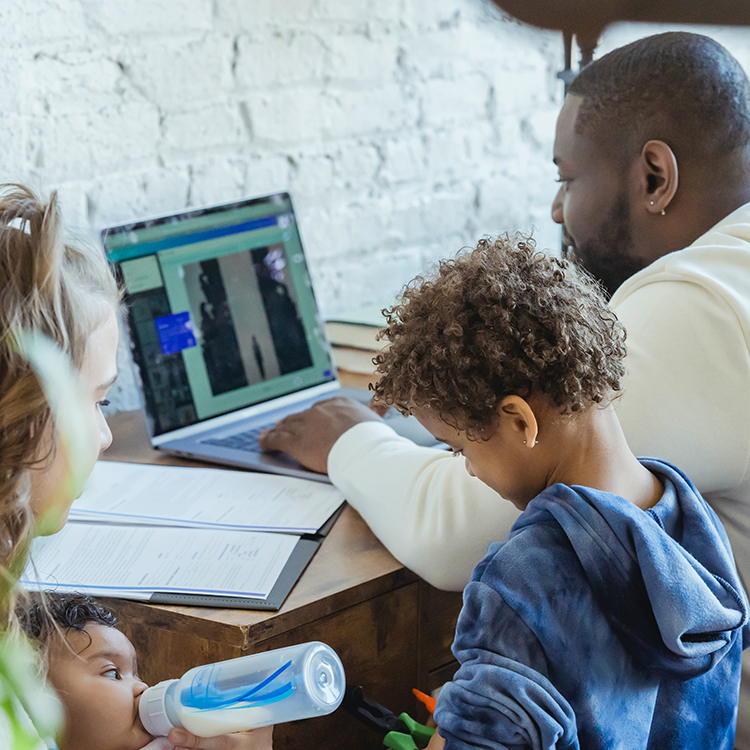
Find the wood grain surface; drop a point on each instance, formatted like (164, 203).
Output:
(391, 630)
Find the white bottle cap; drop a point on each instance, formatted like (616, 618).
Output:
(153, 710)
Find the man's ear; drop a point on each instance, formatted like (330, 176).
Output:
(520, 418)
(658, 176)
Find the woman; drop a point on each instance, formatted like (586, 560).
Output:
(54, 290)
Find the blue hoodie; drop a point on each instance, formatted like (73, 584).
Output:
(600, 625)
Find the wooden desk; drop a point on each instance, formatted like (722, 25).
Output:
(392, 631)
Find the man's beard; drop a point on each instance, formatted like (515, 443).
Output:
(607, 256)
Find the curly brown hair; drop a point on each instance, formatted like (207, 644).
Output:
(502, 319)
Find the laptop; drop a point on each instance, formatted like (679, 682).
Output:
(224, 330)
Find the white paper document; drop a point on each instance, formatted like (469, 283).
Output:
(136, 561)
(198, 497)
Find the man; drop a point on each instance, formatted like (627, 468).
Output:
(653, 150)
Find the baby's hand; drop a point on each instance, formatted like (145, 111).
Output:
(160, 743)
(252, 739)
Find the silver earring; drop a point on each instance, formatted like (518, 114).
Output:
(663, 212)
(533, 444)
(652, 203)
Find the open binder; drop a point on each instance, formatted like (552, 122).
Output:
(230, 550)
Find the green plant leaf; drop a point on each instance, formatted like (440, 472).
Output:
(29, 709)
(61, 384)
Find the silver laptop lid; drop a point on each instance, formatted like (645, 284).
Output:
(221, 311)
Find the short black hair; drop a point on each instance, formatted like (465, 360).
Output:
(52, 612)
(681, 88)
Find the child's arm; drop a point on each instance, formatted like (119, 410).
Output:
(500, 696)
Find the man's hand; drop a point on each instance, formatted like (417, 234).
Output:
(310, 435)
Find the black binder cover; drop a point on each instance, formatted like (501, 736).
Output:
(297, 562)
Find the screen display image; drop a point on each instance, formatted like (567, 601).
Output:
(221, 312)
(247, 317)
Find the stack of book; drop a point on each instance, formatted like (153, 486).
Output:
(353, 337)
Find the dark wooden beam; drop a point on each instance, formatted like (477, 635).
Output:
(587, 18)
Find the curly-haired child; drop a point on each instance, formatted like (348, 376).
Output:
(613, 616)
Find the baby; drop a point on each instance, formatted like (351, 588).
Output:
(93, 668)
(613, 616)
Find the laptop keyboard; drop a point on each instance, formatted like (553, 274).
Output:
(241, 441)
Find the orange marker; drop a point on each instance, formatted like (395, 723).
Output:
(426, 699)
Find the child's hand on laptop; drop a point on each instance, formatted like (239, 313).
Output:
(310, 435)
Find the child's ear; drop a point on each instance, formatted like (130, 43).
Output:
(520, 417)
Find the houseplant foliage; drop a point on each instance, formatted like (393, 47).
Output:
(29, 710)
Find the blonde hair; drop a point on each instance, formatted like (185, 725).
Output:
(51, 286)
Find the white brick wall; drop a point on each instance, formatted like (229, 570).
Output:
(404, 129)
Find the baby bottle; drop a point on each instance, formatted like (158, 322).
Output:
(272, 687)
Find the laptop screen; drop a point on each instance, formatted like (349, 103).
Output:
(221, 311)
